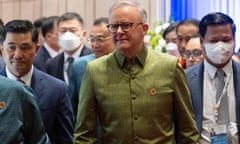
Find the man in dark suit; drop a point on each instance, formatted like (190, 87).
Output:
(214, 83)
(71, 39)
(19, 51)
(50, 47)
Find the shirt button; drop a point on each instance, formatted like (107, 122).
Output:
(135, 117)
(134, 97)
(136, 138)
(133, 76)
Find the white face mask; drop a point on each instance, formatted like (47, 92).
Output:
(69, 41)
(172, 49)
(220, 52)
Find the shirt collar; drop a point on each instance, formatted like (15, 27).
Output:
(26, 78)
(140, 57)
(51, 51)
(74, 55)
(211, 70)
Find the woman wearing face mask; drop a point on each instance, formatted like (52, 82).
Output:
(214, 83)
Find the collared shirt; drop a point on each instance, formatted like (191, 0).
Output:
(51, 51)
(74, 56)
(136, 100)
(209, 93)
(26, 78)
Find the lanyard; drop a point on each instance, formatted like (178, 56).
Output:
(224, 93)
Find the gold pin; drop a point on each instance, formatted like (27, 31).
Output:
(153, 91)
(2, 104)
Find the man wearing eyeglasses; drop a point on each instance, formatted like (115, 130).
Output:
(101, 44)
(138, 95)
(193, 53)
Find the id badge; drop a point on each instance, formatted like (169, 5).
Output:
(218, 134)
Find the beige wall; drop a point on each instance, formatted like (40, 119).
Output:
(88, 9)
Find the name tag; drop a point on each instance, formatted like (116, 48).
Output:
(218, 134)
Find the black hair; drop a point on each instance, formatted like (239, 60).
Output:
(17, 26)
(189, 21)
(170, 28)
(100, 20)
(38, 22)
(71, 16)
(216, 18)
(48, 24)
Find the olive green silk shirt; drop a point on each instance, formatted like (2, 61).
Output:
(137, 101)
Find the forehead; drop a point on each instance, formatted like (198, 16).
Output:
(193, 43)
(124, 14)
(187, 30)
(18, 37)
(99, 30)
(219, 30)
(69, 23)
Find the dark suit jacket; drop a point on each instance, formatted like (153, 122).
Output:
(55, 66)
(54, 105)
(41, 59)
(195, 80)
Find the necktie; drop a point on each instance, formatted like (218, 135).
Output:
(223, 116)
(70, 61)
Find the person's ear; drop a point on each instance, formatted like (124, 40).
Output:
(145, 27)
(84, 33)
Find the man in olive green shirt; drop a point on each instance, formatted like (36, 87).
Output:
(138, 95)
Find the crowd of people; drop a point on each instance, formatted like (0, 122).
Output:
(55, 89)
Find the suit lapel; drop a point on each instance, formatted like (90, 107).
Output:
(196, 88)
(236, 79)
(36, 84)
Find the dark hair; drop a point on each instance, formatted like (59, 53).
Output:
(70, 16)
(196, 35)
(38, 22)
(100, 20)
(170, 28)
(17, 26)
(1, 27)
(189, 21)
(48, 24)
(216, 18)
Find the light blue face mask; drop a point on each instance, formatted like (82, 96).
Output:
(220, 52)
(69, 41)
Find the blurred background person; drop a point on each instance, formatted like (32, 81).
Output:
(170, 36)
(2, 64)
(71, 39)
(38, 25)
(193, 53)
(185, 29)
(236, 56)
(101, 44)
(50, 47)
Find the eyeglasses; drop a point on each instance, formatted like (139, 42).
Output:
(194, 53)
(98, 39)
(124, 26)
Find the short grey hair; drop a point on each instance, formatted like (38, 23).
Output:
(122, 3)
